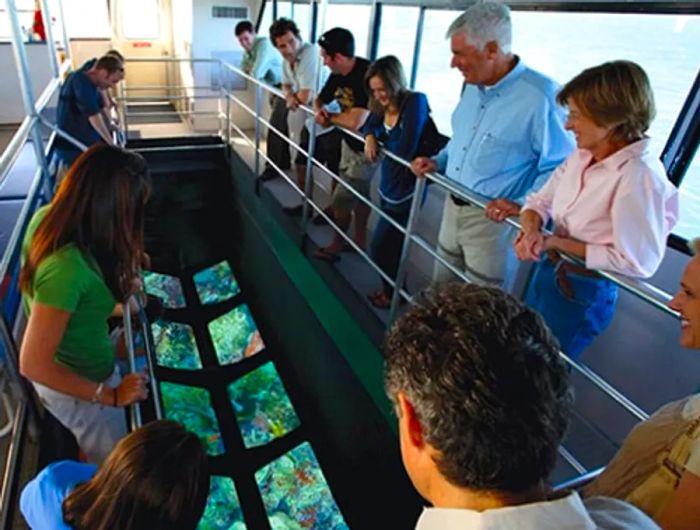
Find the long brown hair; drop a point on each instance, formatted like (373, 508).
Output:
(99, 207)
(390, 71)
(155, 479)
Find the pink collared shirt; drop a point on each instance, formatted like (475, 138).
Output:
(622, 207)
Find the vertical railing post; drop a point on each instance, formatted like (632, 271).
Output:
(258, 129)
(50, 41)
(11, 363)
(309, 173)
(228, 121)
(26, 86)
(403, 260)
(124, 105)
(147, 344)
(308, 180)
(134, 409)
(64, 31)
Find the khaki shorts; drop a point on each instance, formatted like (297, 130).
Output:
(97, 428)
(356, 171)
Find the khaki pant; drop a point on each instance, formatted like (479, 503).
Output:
(473, 244)
(97, 428)
(357, 171)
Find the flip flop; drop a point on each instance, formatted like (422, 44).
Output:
(324, 255)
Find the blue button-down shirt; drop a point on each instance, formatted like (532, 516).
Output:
(507, 138)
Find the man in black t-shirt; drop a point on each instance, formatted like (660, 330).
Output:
(345, 92)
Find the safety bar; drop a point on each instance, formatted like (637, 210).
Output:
(131, 303)
(478, 201)
(579, 482)
(150, 353)
(134, 409)
(640, 289)
(163, 99)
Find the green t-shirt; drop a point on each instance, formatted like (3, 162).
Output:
(69, 280)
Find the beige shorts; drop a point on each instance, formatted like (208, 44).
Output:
(356, 171)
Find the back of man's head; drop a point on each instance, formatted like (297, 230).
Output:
(483, 375)
(243, 27)
(485, 21)
(338, 40)
(110, 63)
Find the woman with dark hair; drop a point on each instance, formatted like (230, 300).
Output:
(400, 119)
(611, 203)
(81, 255)
(155, 479)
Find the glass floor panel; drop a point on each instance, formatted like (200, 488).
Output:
(296, 494)
(216, 284)
(175, 345)
(235, 336)
(223, 511)
(191, 406)
(167, 288)
(262, 406)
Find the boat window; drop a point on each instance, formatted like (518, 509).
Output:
(563, 44)
(355, 18)
(442, 84)
(397, 34)
(688, 226)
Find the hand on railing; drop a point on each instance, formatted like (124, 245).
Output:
(323, 118)
(371, 148)
(500, 209)
(529, 246)
(132, 389)
(422, 165)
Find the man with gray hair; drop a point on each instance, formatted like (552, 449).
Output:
(507, 137)
(483, 401)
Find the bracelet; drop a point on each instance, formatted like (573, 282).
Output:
(96, 397)
(114, 396)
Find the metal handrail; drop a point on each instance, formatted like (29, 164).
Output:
(150, 352)
(640, 289)
(478, 201)
(580, 481)
(134, 409)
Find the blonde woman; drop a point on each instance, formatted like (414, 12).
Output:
(611, 203)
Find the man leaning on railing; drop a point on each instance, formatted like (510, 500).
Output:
(508, 137)
(263, 62)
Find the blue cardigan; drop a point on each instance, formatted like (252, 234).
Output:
(397, 182)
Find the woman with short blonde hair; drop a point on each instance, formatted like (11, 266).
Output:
(611, 202)
(616, 94)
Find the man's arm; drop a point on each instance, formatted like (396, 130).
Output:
(97, 123)
(350, 119)
(553, 143)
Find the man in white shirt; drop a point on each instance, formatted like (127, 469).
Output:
(483, 401)
(263, 62)
(299, 85)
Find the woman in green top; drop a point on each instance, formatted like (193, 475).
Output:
(81, 254)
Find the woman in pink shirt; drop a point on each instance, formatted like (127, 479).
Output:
(611, 204)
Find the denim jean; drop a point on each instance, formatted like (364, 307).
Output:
(575, 321)
(387, 241)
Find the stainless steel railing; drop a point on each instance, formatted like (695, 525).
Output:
(642, 290)
(131, 304)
